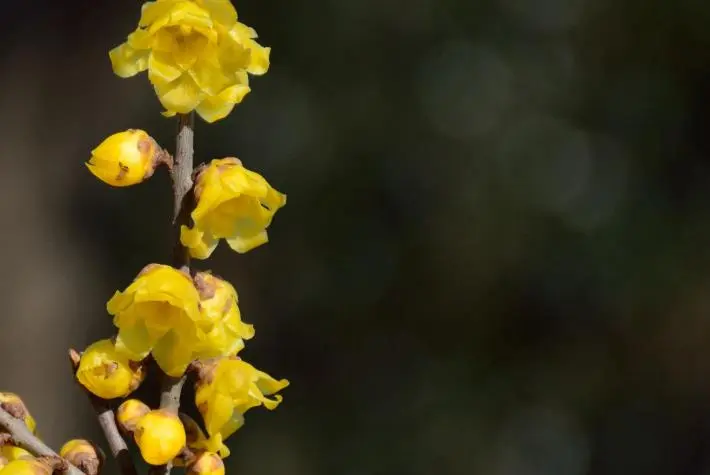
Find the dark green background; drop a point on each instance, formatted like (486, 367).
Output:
(493, 259)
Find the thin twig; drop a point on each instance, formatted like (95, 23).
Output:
(22, 437)
(107, 422)
(181, 175)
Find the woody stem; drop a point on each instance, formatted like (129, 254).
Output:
(183, 202)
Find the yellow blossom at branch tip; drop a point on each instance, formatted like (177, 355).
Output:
(160, 436)
(226, 389)
(125, 158)
(219, 307)
(159, 314)
(234, 204)
(12, 403)
(196, 53)
(108, 373)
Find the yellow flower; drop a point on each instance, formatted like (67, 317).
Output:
(219, 306)
(226, 389)
(107, 373)
(84, 455)
(158, 313)
(11, 452)
(27, 467)
(12, 403)
(126, 158)
(196, 53)
(206, 463)
(233, 203)
(160, 436)
(129, 413)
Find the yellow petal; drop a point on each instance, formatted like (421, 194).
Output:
(127, 61)
(200, 244)
(214, 108)
(140, 39)
(172, 355)
(162, 69)
(152, 11)
(258, 59)
(268, 385)
(221, 11)
(218, 412)
(243, 244)
(180, 96)
(233, 424)
(134, 341)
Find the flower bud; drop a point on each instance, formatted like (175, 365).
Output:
(12, 452)
(206, 463)
(107, 373)
(27, 467)
(126, 158)
(160, 436)
(12, 403)
(84, 455)
(129, 413)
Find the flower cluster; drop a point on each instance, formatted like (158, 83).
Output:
(183, 320)
(198, 56)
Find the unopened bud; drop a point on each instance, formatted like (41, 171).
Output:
(12, 403)
(107, 373)
(126, 158)
(206, 463)
(160, 436)
(84, 455)
(129, 413)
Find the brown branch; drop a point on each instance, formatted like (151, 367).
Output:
(181, 174)
(107, 422)
(22, 437)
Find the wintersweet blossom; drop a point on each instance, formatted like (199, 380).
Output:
(196, 53)
(226, 389)
(234, 204)
(159, 314)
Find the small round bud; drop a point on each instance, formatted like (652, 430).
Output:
(12, 403)
(160, 436)
(107, 373)
(206, 463)
(27, 467)
(126, 158)
(12, 452)
(128, 414)
(84, 455)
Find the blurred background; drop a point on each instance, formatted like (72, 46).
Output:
(494, 258)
